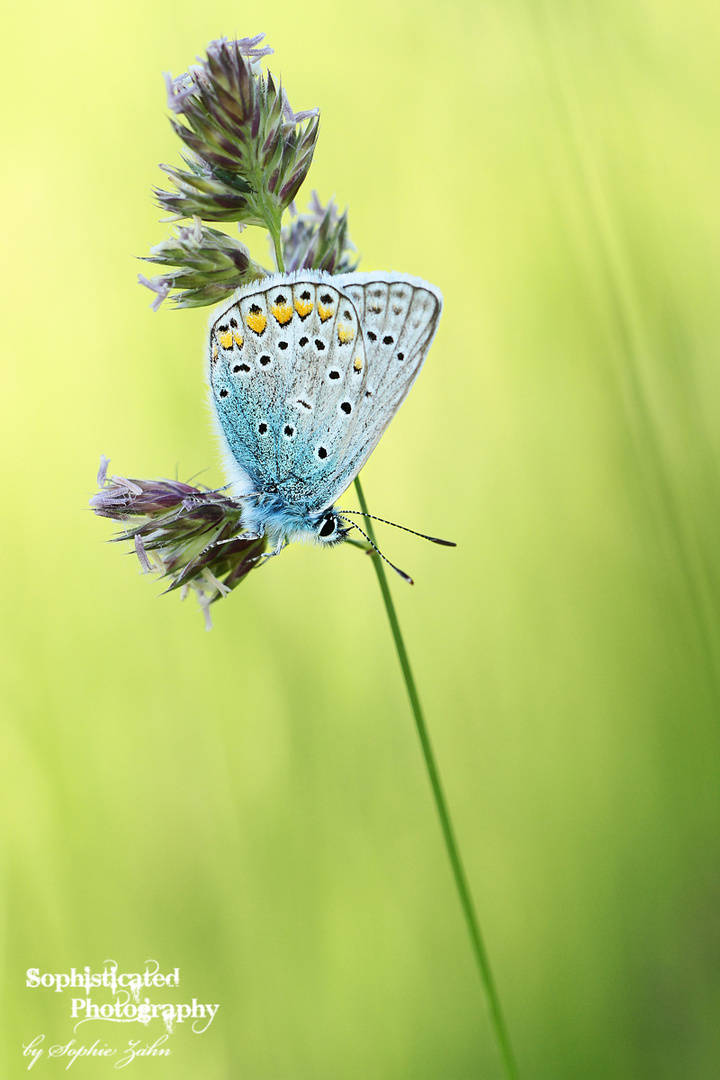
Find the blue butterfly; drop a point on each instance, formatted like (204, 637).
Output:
(306, 371)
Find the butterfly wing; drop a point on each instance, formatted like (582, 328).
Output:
(286, 370)
(399, 315)
(306, 372)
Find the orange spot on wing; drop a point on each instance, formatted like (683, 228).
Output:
(256, 321)
(303, 307)
(214, 351)
(325, 313)
(345, 334)
(358, 364)
(282, 312)
(238, 338)
(225, 339)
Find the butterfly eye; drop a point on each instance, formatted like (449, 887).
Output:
(328, 527)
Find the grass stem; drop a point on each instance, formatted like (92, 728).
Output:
(466, 902)
(274, 230)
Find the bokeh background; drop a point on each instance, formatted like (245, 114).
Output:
(250, 804)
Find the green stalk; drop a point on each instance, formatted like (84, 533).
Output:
(273, 226)
(466, 902)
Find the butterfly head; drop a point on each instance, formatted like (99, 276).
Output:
(283, 520)
(329, 529)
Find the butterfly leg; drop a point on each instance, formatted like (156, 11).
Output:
(240, 536)
(269, 554)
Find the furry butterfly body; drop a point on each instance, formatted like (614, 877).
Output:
(306, 371)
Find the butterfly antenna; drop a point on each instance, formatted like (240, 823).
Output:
(423, 536)
(403, 575)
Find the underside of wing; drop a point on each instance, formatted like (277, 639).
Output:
(287, 372)
(306, 372)
(399, 315)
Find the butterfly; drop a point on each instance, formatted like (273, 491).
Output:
(306, 371)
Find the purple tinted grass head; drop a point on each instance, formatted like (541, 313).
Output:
(241, 132)
(204, 267)
(186, 85)
(191, 535)
(318, 239)
(246, 155)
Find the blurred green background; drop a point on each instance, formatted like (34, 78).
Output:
(250, 805)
